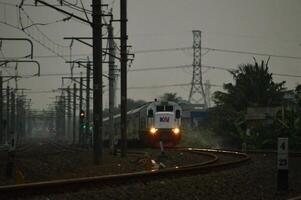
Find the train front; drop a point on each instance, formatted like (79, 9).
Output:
(164, 123)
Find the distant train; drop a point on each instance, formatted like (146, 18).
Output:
(151, 123)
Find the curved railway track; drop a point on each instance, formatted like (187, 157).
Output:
(217, 160)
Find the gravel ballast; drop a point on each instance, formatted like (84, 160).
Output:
(253, 180)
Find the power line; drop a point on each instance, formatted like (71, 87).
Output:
(172, 68)
(254, 53)
(216, 49)
(205, 66)
(164, 86)
(189, 48)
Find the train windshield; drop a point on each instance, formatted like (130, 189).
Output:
(169, 108)
(160, 108)
(164, 108)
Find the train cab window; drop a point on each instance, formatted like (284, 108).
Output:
(150, 113)
(160, 108)
(169, 108)
(178, 114)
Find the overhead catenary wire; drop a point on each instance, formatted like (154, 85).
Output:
(204, 66)
(172, 68)
(167, 86)
(218, 50)
(144, 51)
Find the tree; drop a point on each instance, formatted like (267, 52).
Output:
(254, 86)
(170, 97)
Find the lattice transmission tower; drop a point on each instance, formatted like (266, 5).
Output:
(197, 92)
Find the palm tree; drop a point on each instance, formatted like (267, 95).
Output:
(254, 86)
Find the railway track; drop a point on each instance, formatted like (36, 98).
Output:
(216, 160)
(53, 147)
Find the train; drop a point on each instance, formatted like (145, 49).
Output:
(150, 123)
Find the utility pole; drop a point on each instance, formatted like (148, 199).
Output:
(29, 128)
(18, 118)
(69, 112)
(57, 120)
(23, 116)
(111, 86)
(87, 130)
(80, 130)
(63, 114)
(207, 92)
(7, 114)
(74, 113)
(97, 81)
(123, 79)
(12, 116)
(1, 110)
(29, 119)
(197, 88)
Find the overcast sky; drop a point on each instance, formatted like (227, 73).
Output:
(261, 26)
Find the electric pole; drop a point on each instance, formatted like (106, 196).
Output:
(12, 115)
(1, 110)
(123, 78)
(87, 130)
(57, 120)
(111, 86)
(74, 113)
(81, 122)
(97, 81)
(207, 92)
(69, 112)
(7, 114)
(18, 118)
(63, 115)
(197, 93)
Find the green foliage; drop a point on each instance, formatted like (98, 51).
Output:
(253, 87)
(289, 124)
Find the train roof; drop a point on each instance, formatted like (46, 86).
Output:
(135, 110)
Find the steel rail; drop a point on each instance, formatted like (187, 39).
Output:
(58, 186)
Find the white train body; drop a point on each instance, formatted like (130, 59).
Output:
(151, 123)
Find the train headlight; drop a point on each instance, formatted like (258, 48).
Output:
(153, 131)
(176, 131)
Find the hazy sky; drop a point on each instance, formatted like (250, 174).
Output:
(261, 26)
